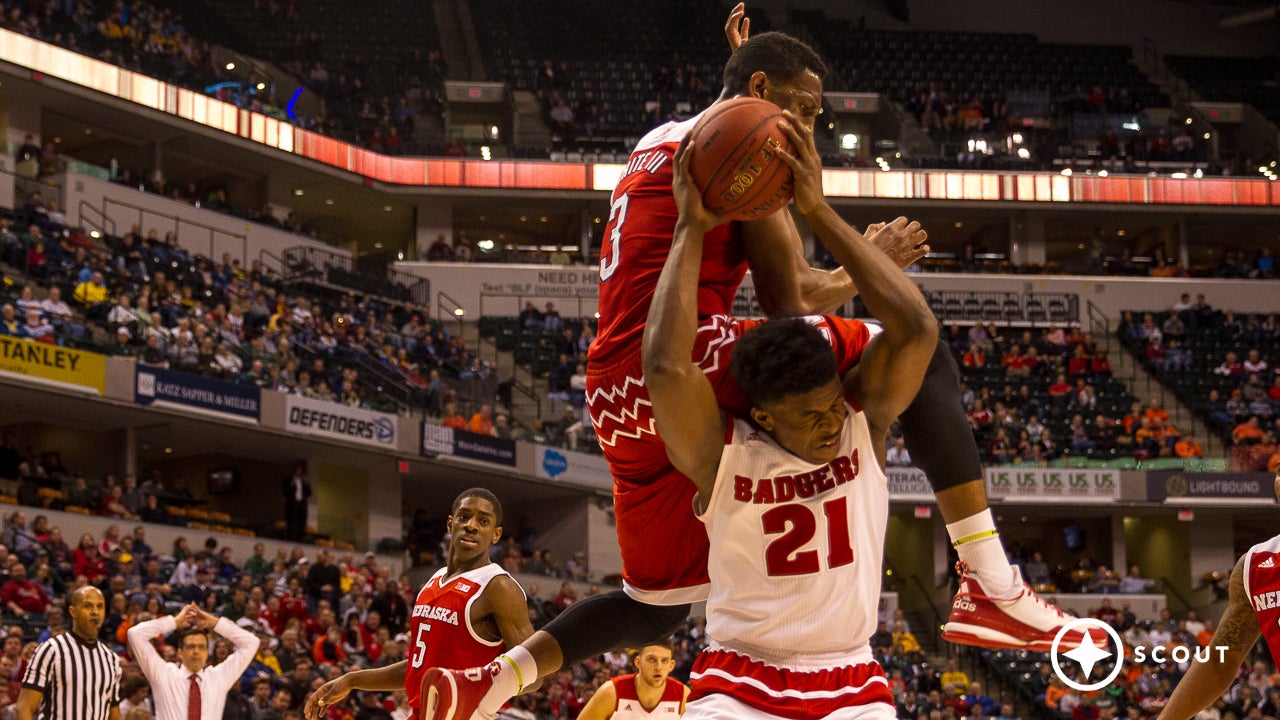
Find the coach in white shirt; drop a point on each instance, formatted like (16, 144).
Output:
(191, 690)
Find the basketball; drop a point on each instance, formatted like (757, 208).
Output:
(735, 159)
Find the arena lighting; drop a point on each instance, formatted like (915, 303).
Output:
(1262, 168)
(1207, 136)
(231, 66)
(1131, 125)
(328, 201)
(459, 312)
(377, 246)
(597, 316)
(1198, 173)
(95, 234)
(485, 245)
(1024, 153)
(485, 153)
(1017, 138)
(298, 192)
(400, 255)
(1066, 171)
(1102, 173)
(1188, 121)
(262, 86)
(386, 208)
(848, 141)
(1179, 176)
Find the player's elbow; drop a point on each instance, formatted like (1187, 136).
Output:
(658, 364)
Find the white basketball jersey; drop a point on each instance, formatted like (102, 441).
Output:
(796, 548)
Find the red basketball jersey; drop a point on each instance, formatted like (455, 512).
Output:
(637, 240)
(1262, 585)
(628, 707)
(440, 629)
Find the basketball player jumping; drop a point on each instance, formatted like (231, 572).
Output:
(467, 613)
(792, 492)
(665, 570)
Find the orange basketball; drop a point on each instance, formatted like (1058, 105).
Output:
(735, 159)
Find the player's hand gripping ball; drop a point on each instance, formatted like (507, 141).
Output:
(735, 159)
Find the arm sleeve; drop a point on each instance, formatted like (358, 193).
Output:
(139, 638)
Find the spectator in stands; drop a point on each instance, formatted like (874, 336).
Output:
(1254, 363)
(1187, 447)
(482, 422)
(1133, 583)
(452, 418)
(440, 250)
(1248, 432)
(898, 456)
(24, 597)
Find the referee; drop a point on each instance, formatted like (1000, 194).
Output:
(73, 676)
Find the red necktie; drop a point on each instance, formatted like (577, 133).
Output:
(193, 700)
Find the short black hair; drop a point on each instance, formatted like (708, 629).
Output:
(780, 56)
(780, 358)
(483, 494)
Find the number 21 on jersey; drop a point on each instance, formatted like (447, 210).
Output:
(799, 525)
(610, 253)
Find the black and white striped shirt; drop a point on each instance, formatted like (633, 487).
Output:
(80, 681)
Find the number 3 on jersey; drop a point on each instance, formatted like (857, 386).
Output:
(609, 255)
(784, 558)
(420, 644)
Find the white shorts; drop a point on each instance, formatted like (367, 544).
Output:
(724, 707)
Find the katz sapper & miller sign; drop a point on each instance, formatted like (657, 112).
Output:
(339, 422)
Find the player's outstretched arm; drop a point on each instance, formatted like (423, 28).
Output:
(602, 704)
(684, 403)
(890, 371)
(384, 679)
(1205, 682)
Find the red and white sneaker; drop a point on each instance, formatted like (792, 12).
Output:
(458, 694)
(1026, 622)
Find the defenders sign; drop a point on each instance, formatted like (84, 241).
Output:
(1040, 484)
(340, 422)
(59, 365)
(156, 385)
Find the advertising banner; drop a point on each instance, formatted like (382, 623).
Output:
(339, 422)
(1171, 486)
(572, 467)
(1041, 484)
(908, 483)
(441, 440)
(78, 369)
(484, 447)
(160, 386)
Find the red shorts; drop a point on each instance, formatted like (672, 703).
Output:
(664, 546)
(760, 690)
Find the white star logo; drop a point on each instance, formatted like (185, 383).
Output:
(1087, 654)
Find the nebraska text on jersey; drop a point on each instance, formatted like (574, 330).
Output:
(785, 488)
(427, 612)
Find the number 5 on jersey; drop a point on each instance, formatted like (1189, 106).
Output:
(420, 644)
(609, 255)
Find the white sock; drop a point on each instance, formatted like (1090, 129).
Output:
(978, 544)
(516, 670)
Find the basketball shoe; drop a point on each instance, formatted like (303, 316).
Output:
(459, 694)
(1025, 622)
